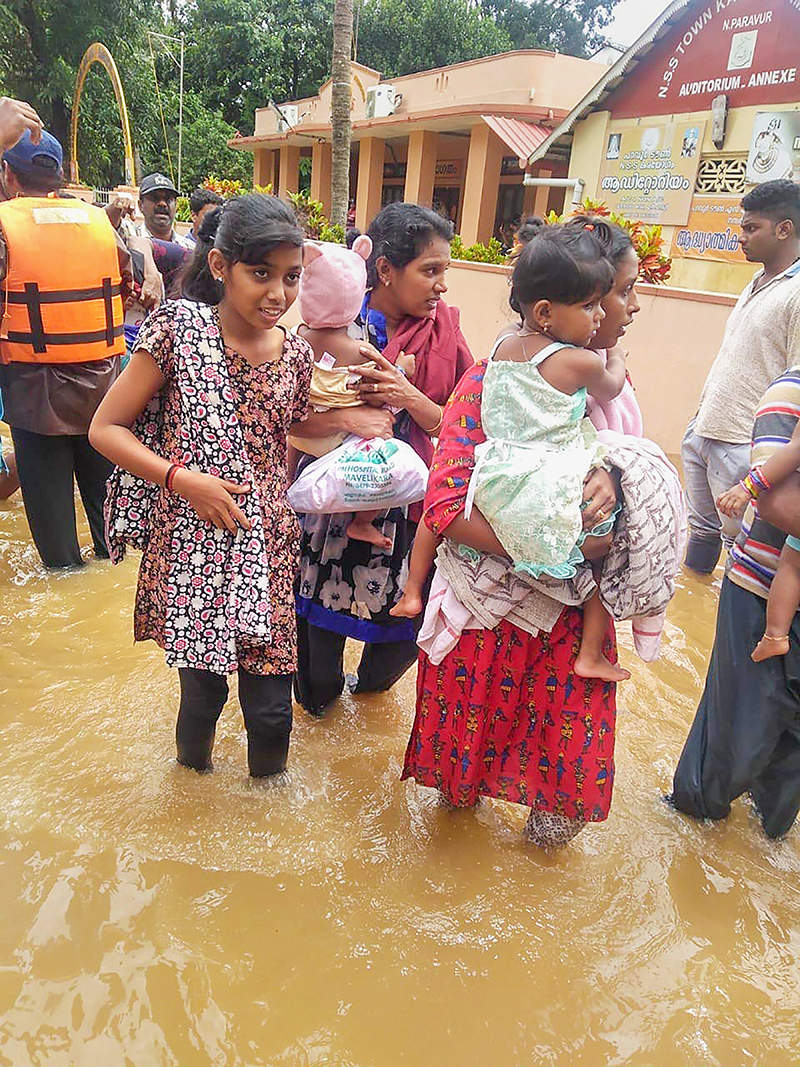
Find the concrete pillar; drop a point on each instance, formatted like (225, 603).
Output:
(290, 170)
(371, 152)
(482, 185)
(542, 194)
(421, 167)
(321, 175)
(264, 168)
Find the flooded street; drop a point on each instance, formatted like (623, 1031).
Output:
(154, 916)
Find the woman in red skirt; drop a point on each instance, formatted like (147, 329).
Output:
(503, 715)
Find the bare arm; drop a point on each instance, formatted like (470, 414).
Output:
(776, 469)
(110, 433)
(576, 368)
(781, 506)
(153, 285)
(364, 421)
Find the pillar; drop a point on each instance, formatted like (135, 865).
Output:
(542, 194)
(482, 185)
(290, 170)
(421, 167)
(264, 168)
(321, 175)
(371, 153)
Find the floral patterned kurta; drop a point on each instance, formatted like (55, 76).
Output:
(268, 399)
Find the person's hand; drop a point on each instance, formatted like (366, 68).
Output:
(599, 496)
(17, 116)
(368, 422)
(733, 502)
(382, 383)
(212, 498)
(152, 291)
(117, 209)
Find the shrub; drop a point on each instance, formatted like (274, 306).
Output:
(478, 253)
(313, 221)
(648, 241)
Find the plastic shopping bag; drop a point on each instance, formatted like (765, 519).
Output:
(361, 475)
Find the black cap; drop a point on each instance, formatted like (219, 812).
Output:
(156, 183)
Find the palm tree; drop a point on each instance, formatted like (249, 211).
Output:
(340, 110)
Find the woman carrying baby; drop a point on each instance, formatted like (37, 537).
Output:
(347, 586)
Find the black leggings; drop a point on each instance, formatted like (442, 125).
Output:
(320, 675)
(266, 701)
(48, 467)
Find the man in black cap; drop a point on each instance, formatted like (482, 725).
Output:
(158, 199)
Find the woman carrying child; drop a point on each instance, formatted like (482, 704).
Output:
(348, 586)
(505, 712)
(200, 420)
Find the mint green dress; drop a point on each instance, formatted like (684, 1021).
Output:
(529, 473)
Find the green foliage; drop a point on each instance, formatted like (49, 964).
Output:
(313, 221)
(573, 27)
(239, 55)
(402, 36)
(478, 253)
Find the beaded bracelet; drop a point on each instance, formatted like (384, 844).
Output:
(169, 478)
(755, 483)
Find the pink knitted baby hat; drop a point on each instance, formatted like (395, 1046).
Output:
(333, 283)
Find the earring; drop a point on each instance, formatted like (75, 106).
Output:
(220, 281)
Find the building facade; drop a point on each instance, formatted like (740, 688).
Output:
(457, 138)
(702, 107)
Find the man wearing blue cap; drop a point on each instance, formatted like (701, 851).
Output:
(63, 276)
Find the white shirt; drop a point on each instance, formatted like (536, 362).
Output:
(761, 341)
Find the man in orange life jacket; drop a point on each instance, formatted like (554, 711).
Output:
(61, 338)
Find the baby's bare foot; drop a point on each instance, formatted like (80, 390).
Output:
(588, 667)
(408, 606)
(365, 531)
(770, 646)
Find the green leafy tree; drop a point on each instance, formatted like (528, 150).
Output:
(573, 27)
(401, 36)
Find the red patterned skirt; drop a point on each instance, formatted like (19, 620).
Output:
(504, 716)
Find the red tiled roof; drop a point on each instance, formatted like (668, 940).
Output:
(522, 138)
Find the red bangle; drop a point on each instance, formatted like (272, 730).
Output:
(170, 475)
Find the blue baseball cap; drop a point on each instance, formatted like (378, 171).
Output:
(30, 158)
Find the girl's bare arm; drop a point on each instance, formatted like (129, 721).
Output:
(110, 433)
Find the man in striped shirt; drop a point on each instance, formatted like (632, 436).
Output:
(746, 734)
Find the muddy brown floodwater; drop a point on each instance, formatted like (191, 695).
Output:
(153, 916)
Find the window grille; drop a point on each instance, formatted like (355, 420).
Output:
(723, 175)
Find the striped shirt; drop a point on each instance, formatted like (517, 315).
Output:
(754, 557)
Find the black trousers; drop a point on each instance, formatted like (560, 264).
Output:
(746, 733)
(320, 675)
(48, 468)
(266, 701)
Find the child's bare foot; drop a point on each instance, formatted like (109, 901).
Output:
(365, 531)
(587, 666)
(408, 606)
(770, 646)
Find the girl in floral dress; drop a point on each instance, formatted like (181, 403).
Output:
(198, 427)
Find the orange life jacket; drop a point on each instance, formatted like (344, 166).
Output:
(61, 299)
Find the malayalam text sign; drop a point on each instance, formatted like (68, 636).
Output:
(712, 231)
(648, 172)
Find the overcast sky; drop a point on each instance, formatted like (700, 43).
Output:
(632, 17)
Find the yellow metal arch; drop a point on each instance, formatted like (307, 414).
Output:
(98, 53)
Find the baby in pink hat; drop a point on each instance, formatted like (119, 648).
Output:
(332, 289)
